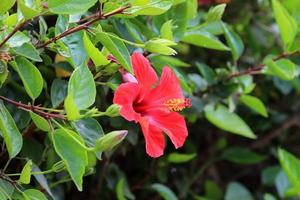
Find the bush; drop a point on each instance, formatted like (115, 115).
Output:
(149, 99)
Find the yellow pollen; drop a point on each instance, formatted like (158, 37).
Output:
(177, 104)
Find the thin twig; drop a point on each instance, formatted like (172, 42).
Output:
(266, 139)
(34, 109)
(83, 26)
(258, 68)
(16, 29)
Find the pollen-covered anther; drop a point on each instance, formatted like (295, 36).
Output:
(178, 104)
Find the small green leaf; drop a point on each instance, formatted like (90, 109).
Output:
(291, 167)
(29, 9)
(89, 129)
(9, 131)
(69, 146)
(149, 7)
(283, 68)
(242, 156)
(97, 57)
(204, 39)
(70, 6)
(117, 48)
(166, 30)
(123, 191)
(215, 13)
(30, 76)
(6, 5)
(165, 192)
(28, 51)
(59, 89)
(35, 194)
(71, 108)
(255, 104)
(160, 46)
(236, 191)
(234, 41)
(287, 24)
(180, 157)
(18, 39)
(26, 173)
(228, 121)
(3, 72)
(40, 122)
(82, 87)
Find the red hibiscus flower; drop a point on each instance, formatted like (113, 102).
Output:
(153, 104)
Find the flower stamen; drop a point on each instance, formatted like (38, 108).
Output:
(178, 104)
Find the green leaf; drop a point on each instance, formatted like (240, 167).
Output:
(123, 191)
(166, 30)
(236, 191)
(68, 146)
(215, 13)
(234, 41)
(287, 24)
(3, 72)
(82, 87)
(71, 108)
(255, 104)
(291, 167)
(6, 189)
(35, 194)
(97, 57)
(18, 39)
(242, 156)
(89, 129)
(117, 48)
(29, 8)
(213, 191)
(149, 7)
(204, 39)
(6, 5)
(59, 89)
(283, 68)
(228, 121)
(70, 6)
(40, 122)
(9, 131)
(26, 173)
(180, 157)
(30, 76)
(160, 46)
(28, 51)
(165, 192)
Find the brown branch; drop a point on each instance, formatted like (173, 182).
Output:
(264, 141)
(258, 68)
(96, 17)
(16, 29)
(35, 109)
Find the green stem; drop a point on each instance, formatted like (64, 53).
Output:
(32, 173)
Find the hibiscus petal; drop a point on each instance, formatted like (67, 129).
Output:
(125, 96)
(143, 71)
(155, 141)
(168, 88)
(173, 124)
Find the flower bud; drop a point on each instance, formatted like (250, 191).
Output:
(127, 77)
(113, 110)
(160, 46)
(59, 166)
(110, 140)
